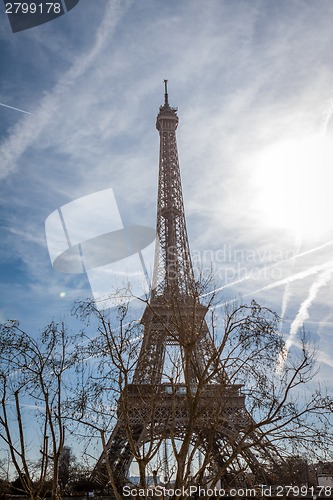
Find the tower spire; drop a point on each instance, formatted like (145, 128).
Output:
(173, 272)
(166, 99)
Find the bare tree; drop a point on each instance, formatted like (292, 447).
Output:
(232, 413)
(108, 361)
(34, 380)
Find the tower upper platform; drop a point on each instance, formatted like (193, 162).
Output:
(167, 118)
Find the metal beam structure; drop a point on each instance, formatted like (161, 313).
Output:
(174, 316)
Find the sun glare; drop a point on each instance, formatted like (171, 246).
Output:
(293, 181)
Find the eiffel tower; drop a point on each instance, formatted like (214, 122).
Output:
(163, 401)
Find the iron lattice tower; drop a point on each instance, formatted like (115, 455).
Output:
(174, 316)
(174, 294)
(173, 273)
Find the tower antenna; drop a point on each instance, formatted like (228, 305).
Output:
(166, 99)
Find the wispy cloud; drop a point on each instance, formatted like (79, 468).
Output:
(28, 131)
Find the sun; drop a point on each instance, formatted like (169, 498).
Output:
(293, 183)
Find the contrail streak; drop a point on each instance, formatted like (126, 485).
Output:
(324, 245)
(303, 313)
(287, 290)
(278, 283)
(227, 285)
(327, 117)
(298, 276)
(321, 356)
(285, 300)
(16, 109)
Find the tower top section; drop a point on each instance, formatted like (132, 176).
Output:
(173, 273)
(167, 118)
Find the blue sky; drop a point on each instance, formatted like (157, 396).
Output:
(253, 83)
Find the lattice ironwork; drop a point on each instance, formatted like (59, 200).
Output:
(173, 272)
(149, 408)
